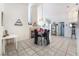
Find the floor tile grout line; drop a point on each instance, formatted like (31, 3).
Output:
(67, 48)
(32, 49)
(57, 49)
(29, 47)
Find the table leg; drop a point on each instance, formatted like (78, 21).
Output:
(15, 43)
(41, 40)
(3, 46)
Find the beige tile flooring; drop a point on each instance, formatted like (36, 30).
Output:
(59, 46)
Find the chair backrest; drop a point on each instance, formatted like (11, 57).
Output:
(46, 32)
(35, 31)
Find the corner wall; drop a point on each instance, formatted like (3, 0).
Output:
(15, 11)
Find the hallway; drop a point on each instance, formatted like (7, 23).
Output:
(59, 46)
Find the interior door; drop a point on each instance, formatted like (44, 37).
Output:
(61, 28)
(54, 29)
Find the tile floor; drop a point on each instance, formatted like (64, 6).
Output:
(59, 46)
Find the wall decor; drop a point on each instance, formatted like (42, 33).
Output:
(18, 22)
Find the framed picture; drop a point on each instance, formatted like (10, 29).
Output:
(2, 18)
(18, 22)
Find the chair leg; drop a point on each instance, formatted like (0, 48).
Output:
(44, 40)
(41, 41)
(47, 40)
(36, 40)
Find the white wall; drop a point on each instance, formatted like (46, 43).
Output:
(39, 12)
(1, 28)
(12, 12)
(34, 13)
